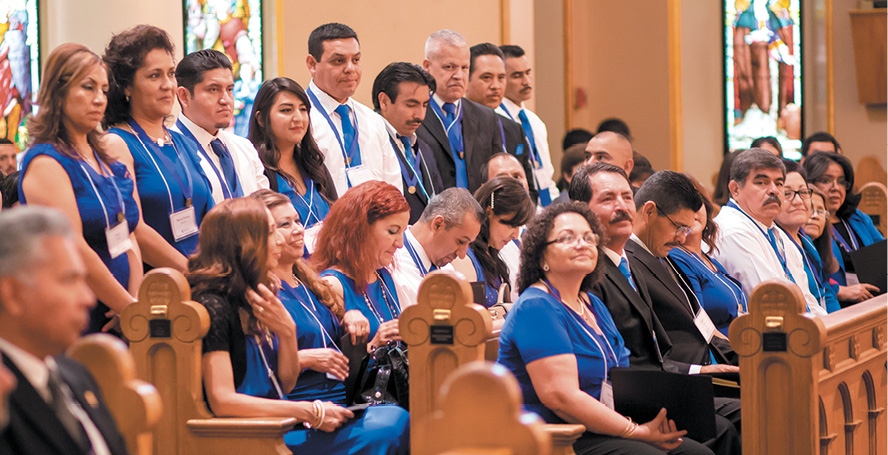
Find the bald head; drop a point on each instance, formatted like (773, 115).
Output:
(503, 164)
(612, 148)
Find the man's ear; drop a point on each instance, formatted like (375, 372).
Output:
(426, 63)
(311, 64)
(9, 290)
(649, 208)
(183, 95)
(733, 188)
(438, 223)
(384, 101)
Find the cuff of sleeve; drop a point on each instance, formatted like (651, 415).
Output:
(695, 369)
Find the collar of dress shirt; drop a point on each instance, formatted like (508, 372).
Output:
(203, 137)
(35, 370)
(614, 256)
(638, 241)
(441, 102)
(328, 102)
(759, 223)
(426, 262)
(512, 108)
(393, 133)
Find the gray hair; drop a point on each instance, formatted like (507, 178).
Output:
(452, 204)
(752, 159)
(443, 38)
(22, 230)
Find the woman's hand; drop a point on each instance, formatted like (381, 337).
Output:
(660, 433)
(269, 310)
(334, 417)
(325, 360)
(388, 331)
(356, 325)
(856, 292)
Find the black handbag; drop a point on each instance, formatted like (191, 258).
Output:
(384, 377)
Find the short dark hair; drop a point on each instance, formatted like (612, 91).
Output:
(581, 184)
(749, 160)
(327, 32)
(767, 140)
(721, 194)
(9, 189)
(511, 51)
(5, 141)
(389, 79)
(615, 125)
(573, 156)
(817, 164)
(535, 240)
(641, 167)
(483, 49)
(794, 166)
(820, 136)
(671, 191)
(576, 136)
(190, 71)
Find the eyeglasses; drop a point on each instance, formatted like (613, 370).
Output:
(828, 182)
(679, 229)
(819, 212)
(569, 239)
(803, 193)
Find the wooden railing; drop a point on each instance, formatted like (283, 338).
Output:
(811, 385)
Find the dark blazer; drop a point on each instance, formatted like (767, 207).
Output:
(481, 138)
(428, 169)
(670, 304)
(34, 427)
(517, 145)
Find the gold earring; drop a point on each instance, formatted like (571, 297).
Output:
(545, 267)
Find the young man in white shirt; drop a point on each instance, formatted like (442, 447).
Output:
(230, 162)
(351, 136)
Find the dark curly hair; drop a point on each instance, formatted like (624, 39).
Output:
(533, 244)
(124, 56)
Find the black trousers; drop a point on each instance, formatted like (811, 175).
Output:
(596, 444)
(727, 427)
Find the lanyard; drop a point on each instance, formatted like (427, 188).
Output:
(416, 180)
(347, 154)
(772, 239)
(415, 256)
(383, 288)
(311, 311)
(122, 213)
(187, 186)
(457, 154)
(309, 189)
(268, 370)
(226, 187)
(535, 154)
(810, 265)
(838, 236)
(739, 299)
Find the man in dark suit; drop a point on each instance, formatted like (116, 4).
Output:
(56, 406)
(401, 94)
(462, 134)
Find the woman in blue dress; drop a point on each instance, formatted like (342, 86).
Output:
(318, 314)
(851, 229)
(281, 132)
(69, 168)
(172, 190)
(357, 242)
(251, 356)
(508, 207)
(719, 293)
(560, 340)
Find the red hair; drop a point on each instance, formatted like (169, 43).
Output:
(342, 242)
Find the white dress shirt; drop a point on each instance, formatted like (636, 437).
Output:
(406, 273)
(511, 255)
(376, 152)
(544, 173)
(747, 254)
(247, 165)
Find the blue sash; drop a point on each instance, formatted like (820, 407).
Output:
(455, 138)
(350, 156)
(226, 187)
(187, 185)
(771, 240)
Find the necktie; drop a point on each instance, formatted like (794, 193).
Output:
(63, 412)
(528, 132)
(233, 189)
(624, 269)
(408, 150)
(348, 129)
(450, 113)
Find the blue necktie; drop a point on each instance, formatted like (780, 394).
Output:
(528, 132)
(233, 189)
(408, 150)
(450, 113)
(624, 269)
(348, 133)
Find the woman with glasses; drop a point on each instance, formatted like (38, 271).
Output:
(796, 211)
(560, 341)
(850, 228)
(719, 293)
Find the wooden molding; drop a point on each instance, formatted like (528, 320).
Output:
(279, 34)
(674, 51)
(830, 75)
(568, 66)
(505, 21)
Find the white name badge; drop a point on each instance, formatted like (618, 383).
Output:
(333, 377)
(359, 174)
(705, 325)
(851, 279)
(607, 394)
(311, 236)
(118, 239)
(183, 223)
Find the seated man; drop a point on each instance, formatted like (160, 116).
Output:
(750, 246)
(449, 223)
(44, 306)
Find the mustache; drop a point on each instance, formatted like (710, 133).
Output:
(773, 198)
(619, 216)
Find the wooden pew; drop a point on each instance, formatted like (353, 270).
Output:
(499, 426)
(165, 329)
(869, 169)
(874, 202)
(444, 331)
(135, 404)
(811, 385)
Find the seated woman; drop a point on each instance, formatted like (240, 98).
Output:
(821, 239)
(508, 207)
(281, 133)
(250, 352)
(719, 293)
(357, 242)
(850, 228)
(796, 211)
(560, 340)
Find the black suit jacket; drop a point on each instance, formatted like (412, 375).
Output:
(34, 427)
(517, 145)
(427, 169)
(481, 138)
(671, 307)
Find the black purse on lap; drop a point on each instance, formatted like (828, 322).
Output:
(383, 377)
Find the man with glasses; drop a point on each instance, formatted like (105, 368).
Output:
(750, 246)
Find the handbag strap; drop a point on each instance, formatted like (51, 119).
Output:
(504, 295)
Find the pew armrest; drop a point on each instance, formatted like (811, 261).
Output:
(563, 436)
(244, 427)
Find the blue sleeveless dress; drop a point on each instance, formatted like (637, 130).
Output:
(92, 217)
(490, 289)
(150, 178)
(312, 208)
(381, 294)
